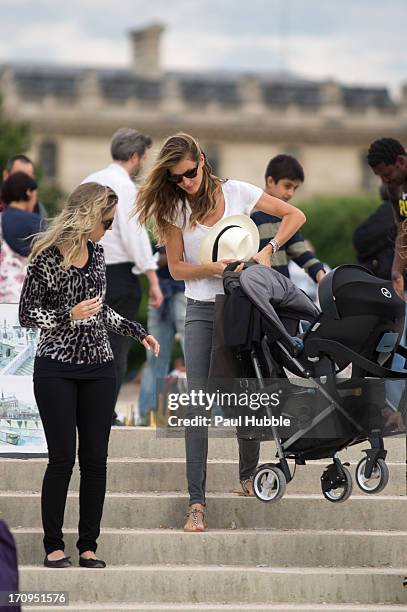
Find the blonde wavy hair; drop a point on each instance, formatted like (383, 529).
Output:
(85, 207)
(158, 199)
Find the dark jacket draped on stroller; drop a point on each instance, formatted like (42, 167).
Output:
(330, 366)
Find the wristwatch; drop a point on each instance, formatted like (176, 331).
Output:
(274, 244)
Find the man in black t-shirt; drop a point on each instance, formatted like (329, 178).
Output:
(388, 159)
(374, 238)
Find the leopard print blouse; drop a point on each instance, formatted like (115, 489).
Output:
(48, 295)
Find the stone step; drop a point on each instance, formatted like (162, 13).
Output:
(237, 607)
(216, 584)
(225, 511)
(266, 548)
(148, 442)
(134, 474)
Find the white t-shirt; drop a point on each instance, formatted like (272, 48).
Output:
(240, 198)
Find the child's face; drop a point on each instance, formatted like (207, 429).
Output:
(283, 189)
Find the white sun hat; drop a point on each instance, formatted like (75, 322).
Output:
(234, 237)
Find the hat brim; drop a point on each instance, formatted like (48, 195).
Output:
(206, 248)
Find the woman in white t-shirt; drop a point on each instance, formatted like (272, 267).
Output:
(185, 199)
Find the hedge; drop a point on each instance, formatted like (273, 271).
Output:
(330, 224)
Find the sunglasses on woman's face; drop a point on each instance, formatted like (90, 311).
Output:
(107, 223)
(177, 178)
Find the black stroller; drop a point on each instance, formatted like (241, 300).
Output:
(335, 370)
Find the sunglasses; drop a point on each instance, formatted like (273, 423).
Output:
(177, 178)
(107, 223)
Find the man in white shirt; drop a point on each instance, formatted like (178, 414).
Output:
(128, 251)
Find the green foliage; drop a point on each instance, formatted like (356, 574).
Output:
(137, 353)
(15, 138)
(330, 223)
(51, 195)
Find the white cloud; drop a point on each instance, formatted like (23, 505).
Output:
(352, 41)
(346, 60)
(315, 57)
(65, 42)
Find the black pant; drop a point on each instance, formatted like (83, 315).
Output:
(123, 294)
(64, 405)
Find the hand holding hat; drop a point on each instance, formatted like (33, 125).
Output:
(234, 238)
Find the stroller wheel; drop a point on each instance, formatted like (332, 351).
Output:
(378, 479)
(341, 492)
(269, 483)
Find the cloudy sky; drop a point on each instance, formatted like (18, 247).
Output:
(354, 41)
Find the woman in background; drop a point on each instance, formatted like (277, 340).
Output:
(18, 224)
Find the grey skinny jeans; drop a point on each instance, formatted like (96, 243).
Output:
(198, 342)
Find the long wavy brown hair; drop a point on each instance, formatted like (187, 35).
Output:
(158, 200)
(69, 231)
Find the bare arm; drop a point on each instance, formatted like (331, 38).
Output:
(291, 220)
(400, 252)
(399, 261)
(154, 291)
(182, 270)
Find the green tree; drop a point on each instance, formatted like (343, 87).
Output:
(15, 137)
(50, 194)
(330, 223)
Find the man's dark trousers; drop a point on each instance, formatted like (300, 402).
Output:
(123, 294)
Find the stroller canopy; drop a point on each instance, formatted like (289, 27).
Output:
(352, 290)
(274, 296)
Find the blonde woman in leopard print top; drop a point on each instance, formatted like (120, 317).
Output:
(74, 380)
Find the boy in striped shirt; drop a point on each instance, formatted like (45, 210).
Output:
(284, 175)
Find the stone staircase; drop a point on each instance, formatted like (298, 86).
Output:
(300, 554)
(26, 369)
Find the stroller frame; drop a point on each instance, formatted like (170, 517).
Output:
(335, 476)
(270, 480)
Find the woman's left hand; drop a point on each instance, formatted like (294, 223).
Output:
(264, 256)
(151, 344)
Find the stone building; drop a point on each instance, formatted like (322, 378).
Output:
(241, 119)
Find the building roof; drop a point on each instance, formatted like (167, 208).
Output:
(38, 81)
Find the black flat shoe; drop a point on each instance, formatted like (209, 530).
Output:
(64, 562)
(92, 563)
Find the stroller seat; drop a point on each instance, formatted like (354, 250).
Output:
(363, 314)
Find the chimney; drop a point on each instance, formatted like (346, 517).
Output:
(332, 100)
(146, 50)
